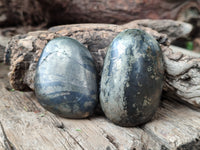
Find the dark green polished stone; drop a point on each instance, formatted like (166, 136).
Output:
(132, 78)
(65, 80)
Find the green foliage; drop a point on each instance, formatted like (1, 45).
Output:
(12, 90)
(41, 115)
(189, 45)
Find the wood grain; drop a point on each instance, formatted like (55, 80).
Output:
(25, 125)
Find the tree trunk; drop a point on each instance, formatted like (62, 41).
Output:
(182, 77)
(54, 12)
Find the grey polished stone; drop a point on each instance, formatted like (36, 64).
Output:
(132, 78)
(65, 81)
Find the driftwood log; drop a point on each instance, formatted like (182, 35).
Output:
(182, 77)
(8, 32)
(25, 125)
(48, 12)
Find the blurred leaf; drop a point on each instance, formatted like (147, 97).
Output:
(25, 108)
(41, 115)
(12, 90)
(78, 129)
(189, 45)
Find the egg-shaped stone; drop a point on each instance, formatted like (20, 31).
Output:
(132, 78)
(65, 80)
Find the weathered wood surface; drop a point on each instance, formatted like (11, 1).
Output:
(182, 80)
(173, 29)
(182, 71)
(25, 125)
(1, 53)
(197, 45)
(42, 12)
(6, 34)
(3, 42)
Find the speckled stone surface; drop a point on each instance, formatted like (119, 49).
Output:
(132, 78)
(65, 81)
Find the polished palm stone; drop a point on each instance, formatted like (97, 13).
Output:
(132, 78)
(65, 80)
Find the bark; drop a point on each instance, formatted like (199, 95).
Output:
(119, 11)
(21, 12)
(197, 45)
(54, 12)
(182, 70)
(8, 32)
